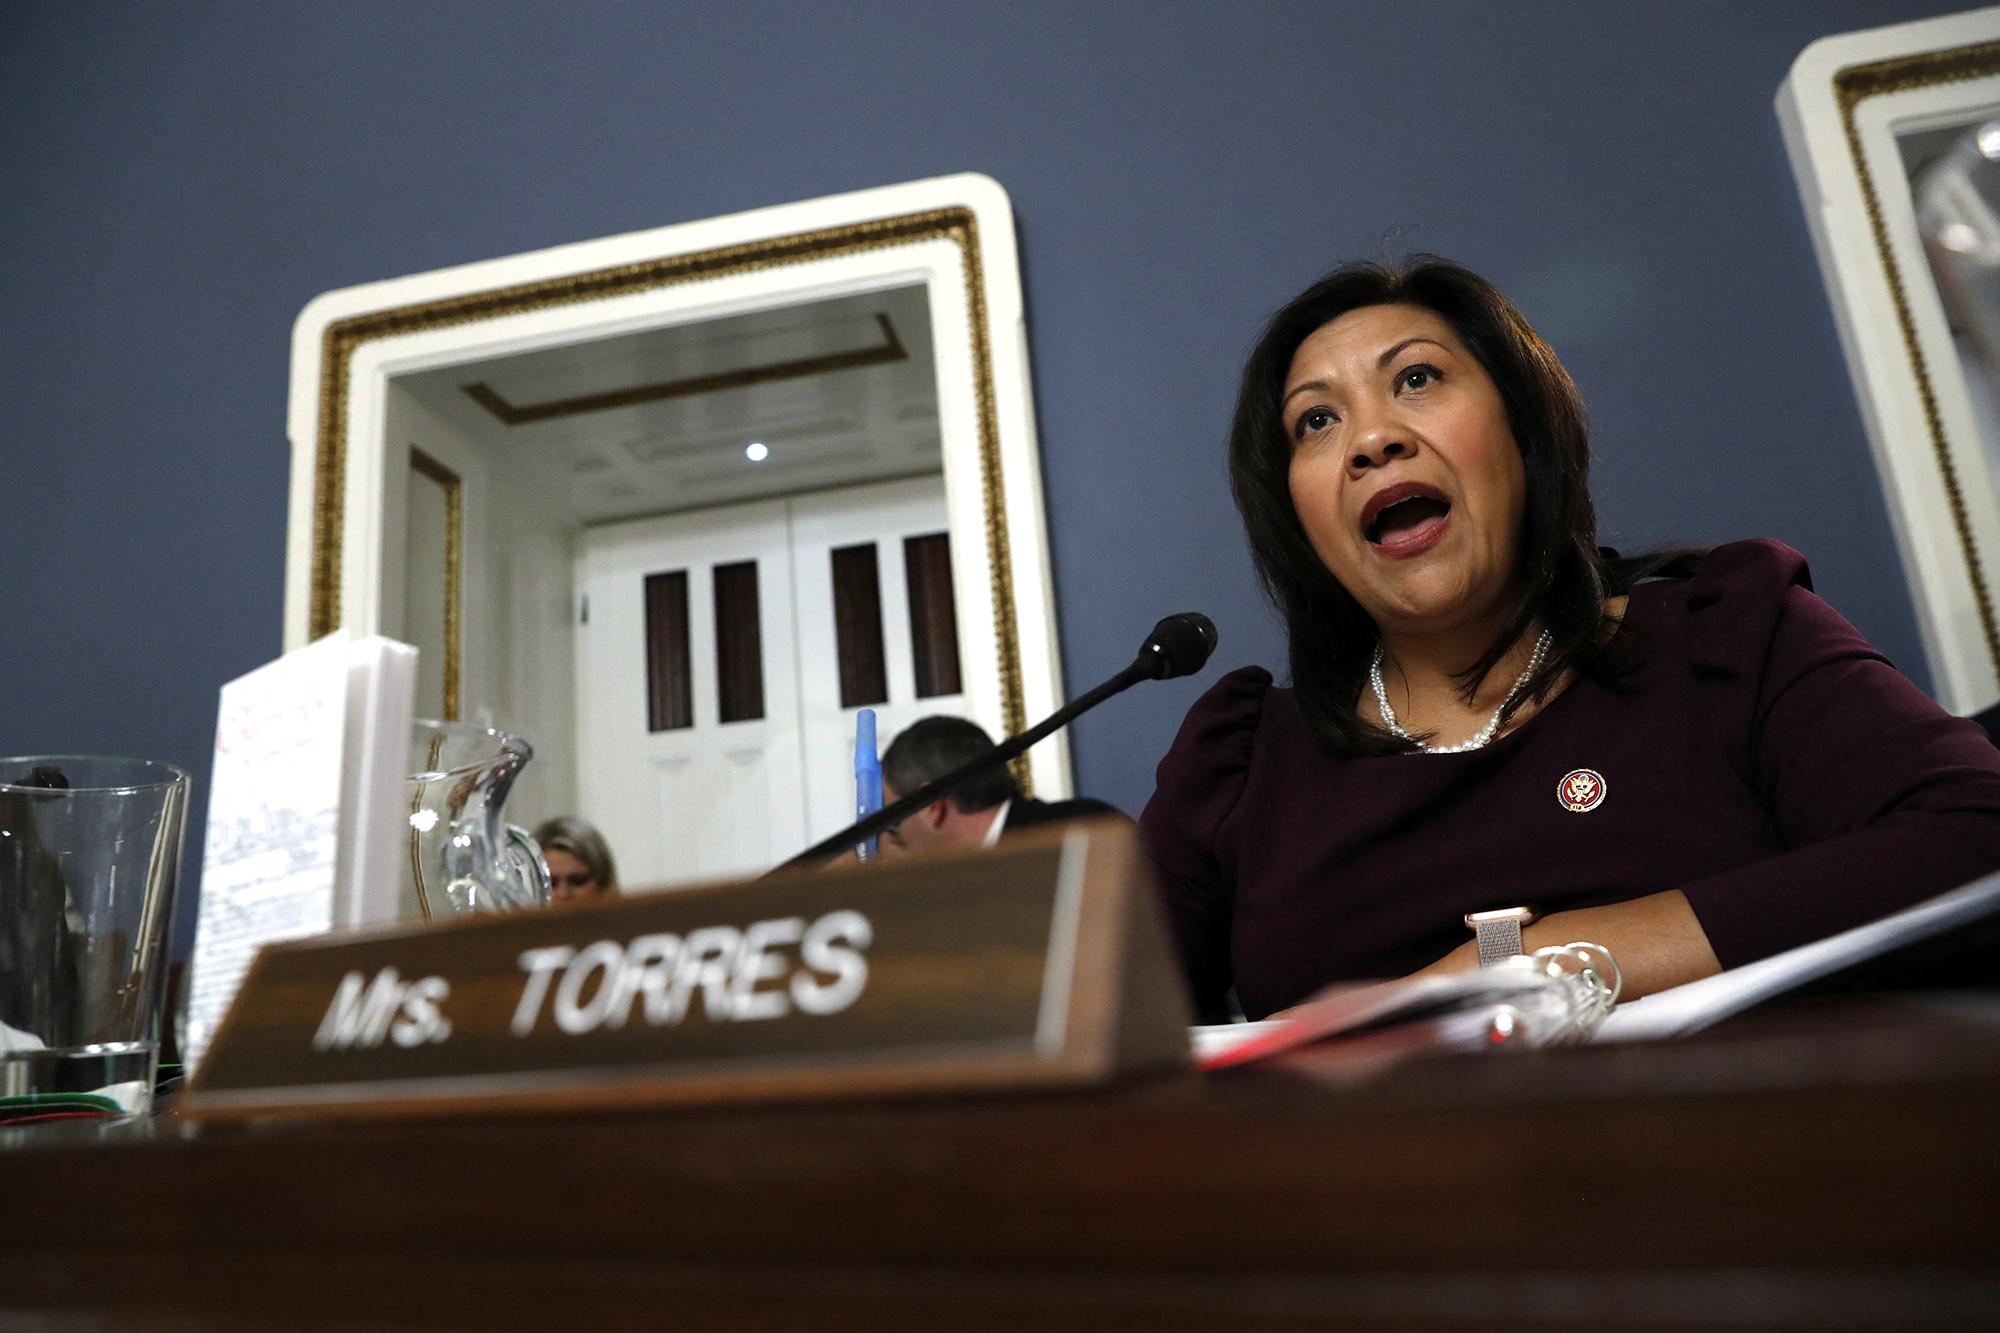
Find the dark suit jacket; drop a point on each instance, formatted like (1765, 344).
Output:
(1026, 812)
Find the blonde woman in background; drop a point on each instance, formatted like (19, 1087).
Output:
(579, 860)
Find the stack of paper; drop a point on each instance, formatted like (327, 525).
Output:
(304, 832)
(1392, 1019)
(1696, 1005)
(1522, 1005)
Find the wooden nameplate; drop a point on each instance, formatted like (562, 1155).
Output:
(1041, 963)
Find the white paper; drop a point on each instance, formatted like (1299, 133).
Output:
(268, 871)
(1440, 1013)
(1214, 1039)
(374, 829)
(1696, 1005)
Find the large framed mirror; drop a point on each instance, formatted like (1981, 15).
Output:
(675, 505)
(1894, 135)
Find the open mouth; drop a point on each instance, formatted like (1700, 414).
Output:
(1409, 514)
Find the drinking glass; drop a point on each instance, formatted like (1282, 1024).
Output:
(90, 852)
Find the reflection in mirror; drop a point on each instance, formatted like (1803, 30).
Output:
(1955, 177)
(1884, 128)
(678, 535)
(734, 497)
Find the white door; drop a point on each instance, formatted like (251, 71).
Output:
(685, 793)
(687, 694)
(856, 527)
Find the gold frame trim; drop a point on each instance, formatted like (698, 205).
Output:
(343, 338)
(454, 547)
(1853, 86)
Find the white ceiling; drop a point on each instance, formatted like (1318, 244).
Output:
(827, 428)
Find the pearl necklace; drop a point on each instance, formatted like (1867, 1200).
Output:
(1485, 733)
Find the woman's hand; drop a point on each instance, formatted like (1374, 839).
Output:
(1656, 939)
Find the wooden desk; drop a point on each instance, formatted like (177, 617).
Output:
(1823, 1167)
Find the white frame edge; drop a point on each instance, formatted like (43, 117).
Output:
(1021, 506)
(1964, 674)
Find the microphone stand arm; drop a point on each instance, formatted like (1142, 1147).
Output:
(938, 788)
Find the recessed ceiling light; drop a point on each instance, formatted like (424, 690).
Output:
(756, 452)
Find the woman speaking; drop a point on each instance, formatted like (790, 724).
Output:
(1693, 761)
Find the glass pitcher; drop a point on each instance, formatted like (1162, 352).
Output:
(462, 858)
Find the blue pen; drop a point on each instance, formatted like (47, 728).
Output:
(867, 777)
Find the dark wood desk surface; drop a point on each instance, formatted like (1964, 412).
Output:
(1835, 1165)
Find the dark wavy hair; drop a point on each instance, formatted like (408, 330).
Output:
(1563, 576)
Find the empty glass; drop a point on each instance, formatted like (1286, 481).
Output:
(90, 852)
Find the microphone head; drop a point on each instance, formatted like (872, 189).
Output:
(1178, 646)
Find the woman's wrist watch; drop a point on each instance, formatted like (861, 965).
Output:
(1499, 932)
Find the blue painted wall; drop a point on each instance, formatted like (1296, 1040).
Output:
(176, 181)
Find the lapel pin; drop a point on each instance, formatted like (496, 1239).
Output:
(1581, 790)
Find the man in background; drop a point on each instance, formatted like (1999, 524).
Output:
(985, 809)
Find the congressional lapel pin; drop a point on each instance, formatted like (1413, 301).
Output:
(1581, 790)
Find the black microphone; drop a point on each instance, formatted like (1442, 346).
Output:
(1178, 646)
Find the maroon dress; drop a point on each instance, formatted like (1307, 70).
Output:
(1762, 758)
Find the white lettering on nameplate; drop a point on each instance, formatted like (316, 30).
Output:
(364, 1012)
(739, 975)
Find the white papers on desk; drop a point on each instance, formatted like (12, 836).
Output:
(302, 809)
(375, 770)
(1210, 1042)
(1511, 1005)
(1698, 1004)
